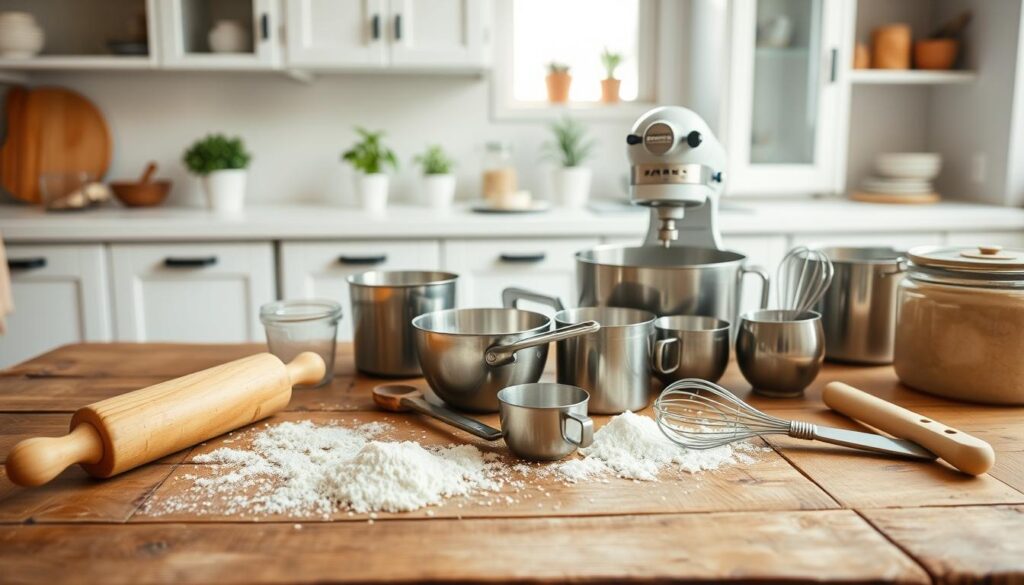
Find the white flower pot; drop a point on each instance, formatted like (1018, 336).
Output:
(439, 191)
(373, 192)
(225, 190)
(572, 186)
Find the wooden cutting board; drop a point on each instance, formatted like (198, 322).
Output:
(51, 129)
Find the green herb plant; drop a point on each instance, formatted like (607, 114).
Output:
(555, 68)
(216, 152)
(611, 62)
(571, 146)
(369, 155)
(435, 161)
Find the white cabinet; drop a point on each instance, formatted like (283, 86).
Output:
(60, 296)
(785, 97)
(763, 252)
(320, 269)
(487, 267)
(900, 241)
(185, 26)
(1004, 239)
(191, 292)
(343, 34)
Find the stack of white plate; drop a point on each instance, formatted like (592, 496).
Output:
(903, 176)
(20, 36)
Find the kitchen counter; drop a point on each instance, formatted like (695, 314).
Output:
(797, 513)
(296, 222)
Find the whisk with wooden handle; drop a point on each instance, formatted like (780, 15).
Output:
(697, 414)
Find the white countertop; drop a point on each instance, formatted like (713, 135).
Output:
(31, 224)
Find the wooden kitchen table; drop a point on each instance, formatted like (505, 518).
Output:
(800, 512)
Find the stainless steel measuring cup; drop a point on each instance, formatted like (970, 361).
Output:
(690, 346)
(545, 421)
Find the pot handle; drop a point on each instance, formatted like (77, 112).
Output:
(765, 280)
(511, 296)
(659, 355)
(586, 428)
(503, 354)
(900, 267)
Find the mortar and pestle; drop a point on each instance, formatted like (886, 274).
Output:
(142, 193)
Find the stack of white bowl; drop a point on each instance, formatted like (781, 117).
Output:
(904, 173)
(20, 35)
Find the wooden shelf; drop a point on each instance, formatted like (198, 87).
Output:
(910, 77)
(81, 62)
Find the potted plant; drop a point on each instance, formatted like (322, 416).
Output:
(222, 163)
(369, 156)
(570, 149)
(438, 180)
(558, 80)
(610, 85)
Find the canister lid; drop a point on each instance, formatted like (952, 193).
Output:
(986, 265)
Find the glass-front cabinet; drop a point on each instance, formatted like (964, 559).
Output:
(785, 97)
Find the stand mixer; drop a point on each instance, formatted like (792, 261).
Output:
(676, 169)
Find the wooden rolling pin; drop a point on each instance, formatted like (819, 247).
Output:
(967, 453)
(123, 432)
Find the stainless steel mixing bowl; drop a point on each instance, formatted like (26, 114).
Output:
(468, 355)
(779, 351)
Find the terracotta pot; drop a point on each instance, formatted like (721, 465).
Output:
(610, 90)
(891, 47)
(936, 53)
(558, 87)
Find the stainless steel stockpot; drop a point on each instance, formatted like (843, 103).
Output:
(665, 281)
(468, 355)
(384, 304)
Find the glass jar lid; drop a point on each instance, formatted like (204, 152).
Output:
(987, 266)
(300, 310)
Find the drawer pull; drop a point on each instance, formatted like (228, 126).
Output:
(182, 262)
(524, 258)
(26, 263)
(363, 260)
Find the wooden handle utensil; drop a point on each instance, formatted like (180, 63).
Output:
(967, 453)
(123, 432)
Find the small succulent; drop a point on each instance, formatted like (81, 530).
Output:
(571, 147)
(435, 161)
(556, 68)
(611, 62)
(369, 155)
(216, 152)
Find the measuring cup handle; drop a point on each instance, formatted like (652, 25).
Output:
(500, 355)
(470, 425)
(765, 280)
(586, 428)
(511, 296)
(660, 354)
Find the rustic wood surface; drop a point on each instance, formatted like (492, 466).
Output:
(800, 512)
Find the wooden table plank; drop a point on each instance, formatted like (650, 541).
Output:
(768, 484)
(959, 545)
(738, 547)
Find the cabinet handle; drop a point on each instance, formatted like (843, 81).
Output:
(184, 262)
(375, 27)
(265, 26)
(363, 260)
(398, 27)
(26, 263)
(523, 258)
(834, 65)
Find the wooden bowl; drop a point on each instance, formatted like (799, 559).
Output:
(936, 54)
(135, 194)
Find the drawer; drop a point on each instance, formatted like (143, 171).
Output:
(1004, 239)
(195, 292)
(320, 269)
(60, 296)
(486, 267)
(902, 240)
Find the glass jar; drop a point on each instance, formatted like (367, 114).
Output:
(296, 326)
(499, 177)
(960, 325)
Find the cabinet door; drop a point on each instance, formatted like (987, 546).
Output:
(191, 292)
(437, 33)
(784, 97)
(900, 241)
(186, 27)
(486, 268)
(60, 296)
(336, 33)
(320, 269)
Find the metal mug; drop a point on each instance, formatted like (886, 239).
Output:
(544, 421)
(700, 346)
(779, 351)
(384, 303)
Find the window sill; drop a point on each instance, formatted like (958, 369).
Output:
(584, 111)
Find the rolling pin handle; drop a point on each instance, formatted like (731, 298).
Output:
(37, 460)
(307, 368)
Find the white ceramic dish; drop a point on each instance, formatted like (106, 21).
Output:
(882, 185)
(909, 165)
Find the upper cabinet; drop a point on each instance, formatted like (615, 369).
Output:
(428, 34)
(219, 34)
(785, 97)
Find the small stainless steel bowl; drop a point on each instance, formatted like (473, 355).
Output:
(780, 352)
(690, 346)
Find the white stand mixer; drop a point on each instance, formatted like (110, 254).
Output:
(676, 169)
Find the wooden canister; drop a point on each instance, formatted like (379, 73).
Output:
(890, 47)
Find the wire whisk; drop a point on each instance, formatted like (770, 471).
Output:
(803, 276)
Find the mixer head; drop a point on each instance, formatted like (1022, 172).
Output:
(675, 162)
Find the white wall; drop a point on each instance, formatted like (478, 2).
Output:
(297, 132)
